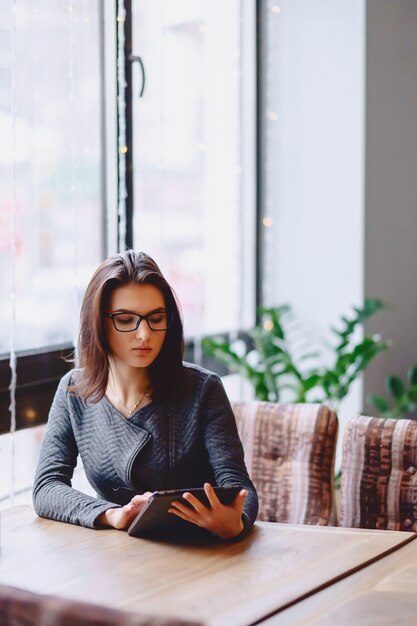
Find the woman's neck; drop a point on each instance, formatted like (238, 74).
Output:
(127, 382)
(128, 389)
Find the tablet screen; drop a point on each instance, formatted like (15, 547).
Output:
(154, 517)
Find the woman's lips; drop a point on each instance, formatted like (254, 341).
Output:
(142, 350)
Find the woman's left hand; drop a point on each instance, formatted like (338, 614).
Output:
(223, 520)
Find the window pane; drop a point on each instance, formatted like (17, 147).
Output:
(57, 157)
(194, 153)
(27, 444)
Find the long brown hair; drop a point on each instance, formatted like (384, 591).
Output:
(166, 371)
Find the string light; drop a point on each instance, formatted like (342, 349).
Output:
(30, 414)
(271, 115)
(161, 105)
(13, 258)
(121, 118)
(239, 297)
(160, 227)
(268, 325)
(73, 170)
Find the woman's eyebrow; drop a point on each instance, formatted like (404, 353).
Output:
(160, 309)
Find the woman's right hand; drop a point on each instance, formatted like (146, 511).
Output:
(122, 517)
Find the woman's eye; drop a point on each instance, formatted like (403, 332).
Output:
(156, 319)
(125, 319)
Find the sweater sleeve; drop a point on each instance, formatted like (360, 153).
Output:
(224, 447)
(53, 496)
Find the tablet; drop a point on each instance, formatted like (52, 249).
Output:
(154, 517)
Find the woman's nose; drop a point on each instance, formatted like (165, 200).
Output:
(142, 330)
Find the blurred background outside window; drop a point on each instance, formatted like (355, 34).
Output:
(57, 154)
(193, 151)
(58, 214)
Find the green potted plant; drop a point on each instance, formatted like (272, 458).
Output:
(403, 396)
(279, 368)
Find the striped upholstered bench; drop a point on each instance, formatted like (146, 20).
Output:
(289, 453)
(19, 607)
(379, 478)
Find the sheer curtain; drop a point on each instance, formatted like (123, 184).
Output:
(51, 211)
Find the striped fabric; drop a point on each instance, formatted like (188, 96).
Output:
(289, 453)
(379, 479)
(23, 608)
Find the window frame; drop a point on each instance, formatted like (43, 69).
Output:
(39, 371)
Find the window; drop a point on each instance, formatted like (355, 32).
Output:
(58, 217)
(194, 178)
(193, 154)
(52, 219)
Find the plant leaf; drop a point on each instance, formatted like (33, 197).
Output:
(412, 394)
(378, 402)
(412, 375)
(395, 386)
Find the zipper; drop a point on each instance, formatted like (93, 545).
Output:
(170, 453)
(132, 460)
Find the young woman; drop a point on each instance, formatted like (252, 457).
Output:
(140, 418)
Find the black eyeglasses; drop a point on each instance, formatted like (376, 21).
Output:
(128, 322)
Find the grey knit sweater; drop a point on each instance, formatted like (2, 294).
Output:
(159, 447)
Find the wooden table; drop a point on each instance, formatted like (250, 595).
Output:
(383, 594)
(220, 584)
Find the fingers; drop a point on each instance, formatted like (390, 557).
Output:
(140, 499)
(211, 496)
(132, 508)
(213, 500)
(197, 513)
(239, 501)
(187, 511)
(223, 520)
(123, 516)
(184, 512)
(195, 503)
(215, 506)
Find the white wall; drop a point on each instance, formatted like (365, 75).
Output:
(314, 159)
(391, 183)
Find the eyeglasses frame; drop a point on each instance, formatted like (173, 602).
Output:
(139, 321)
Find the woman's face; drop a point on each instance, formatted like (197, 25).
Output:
(140, 347)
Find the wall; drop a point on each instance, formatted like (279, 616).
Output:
(391, 182)
(314, 163)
